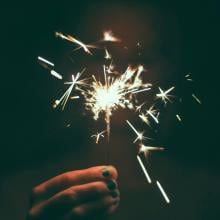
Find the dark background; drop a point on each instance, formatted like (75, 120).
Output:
(32, 132)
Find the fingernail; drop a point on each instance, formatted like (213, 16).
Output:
(105, 173)
(111, 185)
(115, 194)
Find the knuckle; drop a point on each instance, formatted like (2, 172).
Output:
(99, 187)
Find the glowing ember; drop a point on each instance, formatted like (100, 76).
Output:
(109, 36)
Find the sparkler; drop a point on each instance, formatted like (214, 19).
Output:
(117, 90)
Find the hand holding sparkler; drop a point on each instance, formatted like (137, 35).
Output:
(80, 194)
(118, 90)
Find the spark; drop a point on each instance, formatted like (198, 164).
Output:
(138, 108)
(45, 61)
(164, 94)
(74, 40)
(152, 112)
(64, 98)
(144, 118)
(68, 125)
(196, 98)
(179, 118)
(110, 68)
(146, 149)
(98, 135)
(109, 36)
(141, 90)
(144, 169)
(163, 192)
(188, 77)
(56, 74)
(115, 92)
(74, 97)
(140, 135)
(107, 55)
(139, 47)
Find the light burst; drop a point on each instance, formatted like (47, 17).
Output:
(164, 95)
(98, 135)
(140, 135)
(147, 149)
(74, 40)
(115, 92)
(64, 98)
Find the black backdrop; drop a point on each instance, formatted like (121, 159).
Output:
(28, 125)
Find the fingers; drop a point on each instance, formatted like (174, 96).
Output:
(97, 208)
(68, 179)
(75, 196)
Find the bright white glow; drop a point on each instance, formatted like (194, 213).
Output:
(144, 169)
(163, 192)
(109, 36)
(107, 55)
(56, 74)
(45, 61)
(179, 118)
(164, 96)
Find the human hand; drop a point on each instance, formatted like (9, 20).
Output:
(80, 194)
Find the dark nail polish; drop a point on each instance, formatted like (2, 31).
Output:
(105, 173)
(111, 185)
(114, 194)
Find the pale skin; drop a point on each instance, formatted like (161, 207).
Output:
(81, 194)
